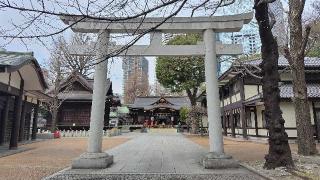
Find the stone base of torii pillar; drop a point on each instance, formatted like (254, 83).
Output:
(92, 161)
(216, 161)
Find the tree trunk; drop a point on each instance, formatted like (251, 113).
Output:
(306, 142)
(192, 96)
(54, 114)
(55, 103)
(193, 100)
(279, 150)
(107, 111)
(194, 126)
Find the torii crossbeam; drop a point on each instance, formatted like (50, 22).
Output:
(94, 158)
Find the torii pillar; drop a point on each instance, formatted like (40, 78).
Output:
(94, 158)
(216, 158)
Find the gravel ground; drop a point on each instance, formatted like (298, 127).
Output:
(47, 157)
(252, 154)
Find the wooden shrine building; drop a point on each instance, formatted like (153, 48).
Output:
(158, 110)
(75, 97)
(22, 87)
(242, 103)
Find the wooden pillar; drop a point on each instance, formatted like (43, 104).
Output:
(256, 121)
(35, 121)
(243, 121)
(4, 120)
(233, 130)
(225, 129)
(243, 110)
(107, 111)
(22, 119)
(316, 122)
(16, 118)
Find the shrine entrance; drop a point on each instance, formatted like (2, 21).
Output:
(155, 111)
(210, 48)
(163, 117)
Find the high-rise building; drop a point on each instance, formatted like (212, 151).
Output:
(250, 41)
(249, 34)
(135, 78)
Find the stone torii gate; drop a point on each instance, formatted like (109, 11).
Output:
(94, 157)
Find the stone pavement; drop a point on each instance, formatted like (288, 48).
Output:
(157, 156)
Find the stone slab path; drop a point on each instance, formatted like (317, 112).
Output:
(157, 156)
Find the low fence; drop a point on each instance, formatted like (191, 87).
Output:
(85, 133)
(46, 134)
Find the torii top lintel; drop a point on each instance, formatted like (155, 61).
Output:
(230, 23)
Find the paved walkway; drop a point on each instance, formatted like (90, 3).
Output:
(157, 156)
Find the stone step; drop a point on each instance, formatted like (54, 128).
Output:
(162, 130)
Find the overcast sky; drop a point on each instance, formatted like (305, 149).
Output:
(42, 53)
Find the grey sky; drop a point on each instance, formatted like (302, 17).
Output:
(41, 51)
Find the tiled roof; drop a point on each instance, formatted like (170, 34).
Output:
(313, 63)
(283, 62)
(286, 91)
(147, 102)
(12, 61)
(313, 90)
(78, 95)
(14, 58)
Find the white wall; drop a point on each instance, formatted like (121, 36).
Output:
(250, 90)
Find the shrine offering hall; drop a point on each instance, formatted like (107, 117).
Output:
(158, 111)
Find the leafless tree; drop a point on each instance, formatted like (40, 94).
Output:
(41, 19)
(313, 46)
(71, 62)
(56, 75)
(295, 53)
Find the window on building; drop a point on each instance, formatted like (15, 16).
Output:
(252, 43)
(236, 39)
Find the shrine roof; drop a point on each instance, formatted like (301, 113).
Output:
(80, 94)
(283, 62)
(286, 92)
(13, 61)
(152, 102)
(312, 64)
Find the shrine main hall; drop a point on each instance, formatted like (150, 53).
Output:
(158, 110)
